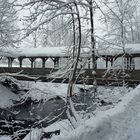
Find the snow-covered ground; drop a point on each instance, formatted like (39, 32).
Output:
(118, 120)
(64, 127)
(45, 91)
(119, 123)
(42, 90)
(5, 138)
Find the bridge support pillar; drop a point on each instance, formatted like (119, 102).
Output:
(20, 62)
(10, 61)
(88, 63)
(112, 60)
(129, 63)
(106, 62)
(56, 62)
(32, 62)
(43, 62)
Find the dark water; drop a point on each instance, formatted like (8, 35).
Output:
(38, 114)
(23, 117)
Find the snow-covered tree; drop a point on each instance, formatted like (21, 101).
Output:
(57, 33)
(120, 17)
(8, 29)
(60, 20)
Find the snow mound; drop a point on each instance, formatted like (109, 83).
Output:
(114, 124)
(64, 126)
(45, 91)
(5, 138)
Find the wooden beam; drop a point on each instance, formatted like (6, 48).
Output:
(20, 62)
(43, 61)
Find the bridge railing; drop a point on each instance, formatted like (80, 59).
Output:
(101, 73)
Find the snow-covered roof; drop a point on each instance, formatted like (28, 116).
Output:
(40, 52)
(132, 48)
(44, 51)
(115, 50)
(63, 51)
(33, 52)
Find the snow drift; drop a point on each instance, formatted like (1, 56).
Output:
(114, 124)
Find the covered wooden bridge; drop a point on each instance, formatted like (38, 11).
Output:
(130, 59)
(54, 53)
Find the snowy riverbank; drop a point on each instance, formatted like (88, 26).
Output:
(116, 121)
(119, 123)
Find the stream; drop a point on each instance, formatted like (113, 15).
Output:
(20, 118)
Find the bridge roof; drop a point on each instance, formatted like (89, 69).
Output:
(34, 52)
(40, 52)
(44, 52)
(65, 51)
(116, 50)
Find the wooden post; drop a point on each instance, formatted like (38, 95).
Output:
(56, 62)
(88, 63)
(111, 60)
(10, 60)
(32, 61)
(128, 63)
(80, 62)
(106, 62)
(132, 63)
(20, 62)
(43, 61)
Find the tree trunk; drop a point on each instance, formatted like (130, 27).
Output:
(73, 72)
(74, 67)
(94, 66)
